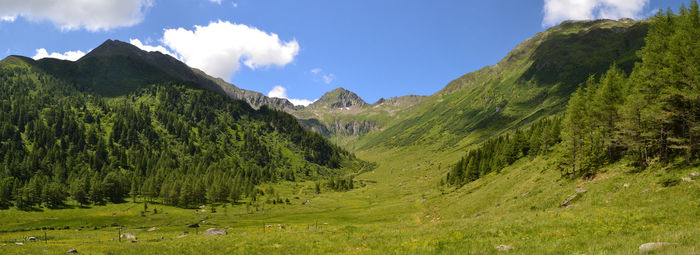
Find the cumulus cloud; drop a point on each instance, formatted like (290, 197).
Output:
(281, 92)
(161, 49)
(215, 1)
(556, 11)
(69, 55)
(92, 15)
(220, 47)
(322, 76)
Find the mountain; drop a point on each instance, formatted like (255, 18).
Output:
(345, 117)
(115, 68)
(121, 121)
(533, 81)
(339, 98)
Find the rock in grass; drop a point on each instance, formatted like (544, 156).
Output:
(581, 190)
(649, 247)
(504, 247)
(694, 175)
(181, 236)
(31, 238)
(152, 229)
(568, 200)
(128, 236)
(19, 243)
(687, 179)
(215, 232)
(72, 251)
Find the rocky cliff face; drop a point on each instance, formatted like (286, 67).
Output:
(352, 128)
(340, 127)
(255, 99)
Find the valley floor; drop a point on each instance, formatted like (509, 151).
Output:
(401, 210)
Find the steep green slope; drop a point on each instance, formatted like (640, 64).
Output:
(532, 81)
(174, 141)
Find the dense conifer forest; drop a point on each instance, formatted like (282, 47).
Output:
(176, 143)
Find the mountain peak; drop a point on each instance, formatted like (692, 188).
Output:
(115, 48)
(339, 98)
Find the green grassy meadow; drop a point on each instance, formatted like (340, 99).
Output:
(400, 210)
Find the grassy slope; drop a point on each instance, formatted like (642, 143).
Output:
(404, 212)
(532, 81)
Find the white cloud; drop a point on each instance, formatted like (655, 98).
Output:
(235, 5)
(161, 49)
(304, 102)
(328, 78)
(556, 11)
(215, 1)
(319, 74)
(281, 92)
(278, 92)
(93, 15)
(219, 47)
(69, 55)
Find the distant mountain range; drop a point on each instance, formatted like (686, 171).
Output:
(534, 80)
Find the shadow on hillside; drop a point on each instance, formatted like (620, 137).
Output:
(571, 58)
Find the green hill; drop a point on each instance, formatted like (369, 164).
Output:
(532, 81)
(142, 133)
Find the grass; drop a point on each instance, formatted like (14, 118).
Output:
(401, 210)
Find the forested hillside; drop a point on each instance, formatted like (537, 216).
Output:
(647, 117)
(172, 141)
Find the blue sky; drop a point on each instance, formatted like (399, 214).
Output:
(302, 49)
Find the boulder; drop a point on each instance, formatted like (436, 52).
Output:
(581, 190)
(215, 232)
(152, 229)
(31, 238)
(72, 251)
(694, 175)
(649, 247)
(128, 236)
(19, 243)
(193, 225)
(181, 236)
(626, 185)
(687, 179)
(504, 247)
